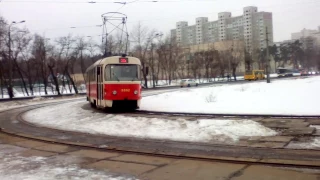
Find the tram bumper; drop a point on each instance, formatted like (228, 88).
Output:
(126, 104)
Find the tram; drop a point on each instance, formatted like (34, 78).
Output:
(114, 82)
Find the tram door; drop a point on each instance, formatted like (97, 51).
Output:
(99, 86)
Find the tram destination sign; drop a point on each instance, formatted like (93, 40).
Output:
(123, 60)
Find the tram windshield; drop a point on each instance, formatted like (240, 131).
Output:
(122, 72)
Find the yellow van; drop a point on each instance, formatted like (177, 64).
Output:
(254, 75)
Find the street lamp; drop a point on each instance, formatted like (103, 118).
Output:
(10, 90)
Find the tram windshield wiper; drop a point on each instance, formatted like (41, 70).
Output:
(116, 77)
(134, 78)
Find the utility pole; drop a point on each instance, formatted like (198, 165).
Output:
(106, 46)
(152, 65)
(229, 64)
(268, 58)
(10, 90)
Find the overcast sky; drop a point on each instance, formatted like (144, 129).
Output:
(53, 18)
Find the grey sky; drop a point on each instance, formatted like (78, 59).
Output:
(53, 19)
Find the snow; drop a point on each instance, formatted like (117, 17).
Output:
(13, 166)
(203, 130)
(176, 82)
(299, 96)
(20, 92)
(37, 100)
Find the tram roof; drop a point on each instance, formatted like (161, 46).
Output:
(114, 60)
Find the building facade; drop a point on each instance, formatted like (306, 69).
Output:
(251, 28)
(310, 38)
(303, 33)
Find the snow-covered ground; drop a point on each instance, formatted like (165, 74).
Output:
(14, 167)
(37, 100)
(298, 96)
(176, 82)
(20, 92)
(81, 119)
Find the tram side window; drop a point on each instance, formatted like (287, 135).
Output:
(107, 73)
(93, 74)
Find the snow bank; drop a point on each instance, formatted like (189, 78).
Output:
(205, 130)
(37, 100)
(287, 97)
(20, 92)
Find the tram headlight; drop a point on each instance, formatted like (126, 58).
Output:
(135, 92)
(114, 92)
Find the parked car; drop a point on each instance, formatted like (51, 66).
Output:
(188, 83)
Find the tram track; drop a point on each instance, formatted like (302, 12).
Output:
(12, 123)
(217, 115)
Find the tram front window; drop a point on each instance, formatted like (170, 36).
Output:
(122, 72)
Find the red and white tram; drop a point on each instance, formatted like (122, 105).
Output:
(114, 82)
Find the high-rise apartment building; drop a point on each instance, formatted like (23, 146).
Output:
(250, 27)
(310, 38)
(302, 34)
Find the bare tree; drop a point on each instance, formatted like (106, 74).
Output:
(65, 56)
(238, 55)
(2, 44)
(39, 52)
(81, 46)
(142, 39)
(92, 48)
(20, 42)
